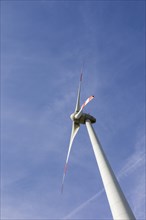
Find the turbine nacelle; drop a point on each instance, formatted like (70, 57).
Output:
(86, 117)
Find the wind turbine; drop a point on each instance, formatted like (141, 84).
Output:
(119, 206)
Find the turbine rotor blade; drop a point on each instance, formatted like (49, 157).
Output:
(77, 108)
(75, 128)
(78, 115)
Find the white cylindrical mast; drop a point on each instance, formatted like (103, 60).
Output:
(118, 204)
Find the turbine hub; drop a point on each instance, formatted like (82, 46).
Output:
(83, 118)
(72, 116)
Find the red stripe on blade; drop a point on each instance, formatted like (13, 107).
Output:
(65, 168)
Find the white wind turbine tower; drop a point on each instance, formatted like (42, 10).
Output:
(119, 206)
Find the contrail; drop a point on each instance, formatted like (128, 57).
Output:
(83, 205)
(135, 161)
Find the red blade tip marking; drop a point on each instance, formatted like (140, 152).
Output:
(65, 168)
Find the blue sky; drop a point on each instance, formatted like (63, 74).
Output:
(43, 46)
